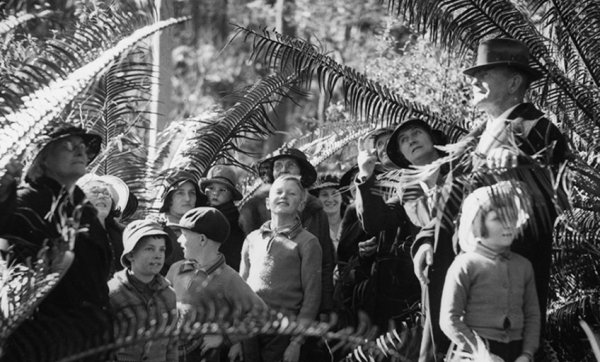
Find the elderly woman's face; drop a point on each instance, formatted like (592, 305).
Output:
(66, 159)
(99, 195)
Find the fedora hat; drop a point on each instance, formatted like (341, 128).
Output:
(307, 170)
(503, 52)
(393, 150)
(223, 175)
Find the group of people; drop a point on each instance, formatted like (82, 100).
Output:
(472, 254)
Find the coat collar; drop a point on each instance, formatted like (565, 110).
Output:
(491, 254)
(190, 265)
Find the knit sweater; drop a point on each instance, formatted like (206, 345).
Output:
(492, 294)
(284, 268)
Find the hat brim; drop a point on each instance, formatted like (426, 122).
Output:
(118, 188)
(92, 141)
(532, 73)
(127, 251)
(393, 150)
(307, 170)
(326, 185)
(237, 195)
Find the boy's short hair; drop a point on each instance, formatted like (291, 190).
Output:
(297, 180)
(508, 198)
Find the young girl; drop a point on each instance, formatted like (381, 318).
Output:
(281, 262)
(489, 290)
(140, 290)
(220, 188)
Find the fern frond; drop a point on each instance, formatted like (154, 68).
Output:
(41, 107)
(215, 137)
(13, 21)
(365, 99)
(470, 21)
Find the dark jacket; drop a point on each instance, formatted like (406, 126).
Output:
(396, 286)
(114, 229)
(79, 303)
(535, 246)
(232, 247)
(157, 302)
(254, 213)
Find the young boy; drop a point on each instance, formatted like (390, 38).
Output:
(281, 262)
(140, 290)
(489, 290)
(204, 281)
(220, 188)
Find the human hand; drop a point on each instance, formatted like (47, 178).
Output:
(367, 248)
(11, 176)
(523, 358)
(292, 352)
(423, 259)
(502, 157)
(211, 341)
(366, 158)
(235, 353)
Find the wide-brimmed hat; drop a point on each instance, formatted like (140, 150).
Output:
(325, 182)
(119, 191)
(173, 182)
(135, 231)
(393, 150)
(503, 52)
(307, 170)
(92, 141)
(205, 220)
(225, 176)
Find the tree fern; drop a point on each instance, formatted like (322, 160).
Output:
(42, 106)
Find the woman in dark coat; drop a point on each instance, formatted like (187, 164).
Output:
(75, 313)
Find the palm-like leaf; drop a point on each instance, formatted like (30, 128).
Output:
(44, 104)
(214, 137)
(13, 21)
(467, 22)
(364, 98)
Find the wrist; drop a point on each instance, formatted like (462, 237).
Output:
(527, 355)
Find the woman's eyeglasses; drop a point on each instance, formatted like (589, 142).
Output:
(98, 192)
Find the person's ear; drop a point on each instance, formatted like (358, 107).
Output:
(129, 257)
(515, 83)
(267, 204)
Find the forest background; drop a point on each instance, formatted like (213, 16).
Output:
(205, 71)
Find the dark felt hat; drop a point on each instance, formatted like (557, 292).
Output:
(503, 52)
(225, 176)
(393, 151)
(173, 182)
(325, 182)
(205, 220)
(307, 170)
(92, 141)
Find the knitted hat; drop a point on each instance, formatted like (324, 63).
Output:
(135, 231)
(205, 220)
(225, 176)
